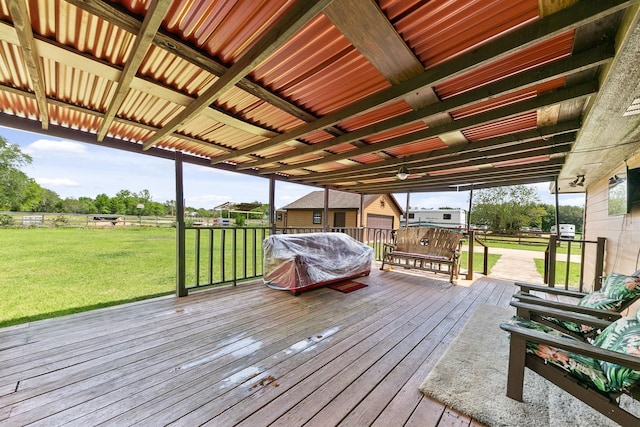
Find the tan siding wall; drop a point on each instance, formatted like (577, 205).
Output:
(304, 218)
(622, 231)
(389, 209)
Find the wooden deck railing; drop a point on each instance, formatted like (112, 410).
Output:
(551, 260)
(228, 255)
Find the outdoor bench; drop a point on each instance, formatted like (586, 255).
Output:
(425, 248)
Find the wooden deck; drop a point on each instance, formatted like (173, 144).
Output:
(247, 355)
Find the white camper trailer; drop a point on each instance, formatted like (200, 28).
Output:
(445, 218)
(567, 231)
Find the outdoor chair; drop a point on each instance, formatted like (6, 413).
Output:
(616, 295)
(596, 373)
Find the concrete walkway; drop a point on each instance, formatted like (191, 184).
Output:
(518, 265)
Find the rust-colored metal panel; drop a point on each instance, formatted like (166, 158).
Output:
(440, 30)
(377, 115)
(539, 54)
(319, 70)
(417, 147)
(523, 122)
(453, 171)
(528, 160)
(507, 99)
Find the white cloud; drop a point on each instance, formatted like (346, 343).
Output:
(57, 182)
(41, 146)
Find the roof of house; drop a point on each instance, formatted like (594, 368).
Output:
(337, 200)
(335, 93)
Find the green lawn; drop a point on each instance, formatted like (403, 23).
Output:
(478, 260)
(52, 272)
(561, 271)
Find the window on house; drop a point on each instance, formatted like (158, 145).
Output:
(317, 217)
(446, 216)
(279, 217)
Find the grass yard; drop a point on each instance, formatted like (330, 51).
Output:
(478, 261)
(48, 272)
(561, 271)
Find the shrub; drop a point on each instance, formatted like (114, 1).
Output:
(7, 221)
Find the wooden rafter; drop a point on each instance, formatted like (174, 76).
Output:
(533, 104)
(550, 26)
(295, 18)
(22, 25)
(561, 68)
(558, 144)
(99, 114)
(466, 152)
(194, 56)
(144, 38)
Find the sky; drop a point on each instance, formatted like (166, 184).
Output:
(76, 169)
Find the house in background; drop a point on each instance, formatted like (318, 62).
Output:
(380, 211)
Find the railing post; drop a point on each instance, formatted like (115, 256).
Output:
(551, 262)
(599, 262)
(181, 251)
(472, 236)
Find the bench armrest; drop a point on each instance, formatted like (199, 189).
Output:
(526, 287)
(580, 318)
(596, 312)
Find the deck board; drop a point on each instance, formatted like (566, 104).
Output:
(245, 355)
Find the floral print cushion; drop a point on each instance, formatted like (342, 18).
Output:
(601, 301)
(621, 287)
(584, 369)
(595, 299)
(622, 336)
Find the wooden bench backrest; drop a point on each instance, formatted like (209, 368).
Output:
(428, 241)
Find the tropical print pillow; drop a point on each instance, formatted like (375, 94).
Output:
(584, 369)
(621, 287)
(622, 336)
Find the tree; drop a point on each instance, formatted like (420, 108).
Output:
(507, 208)
(13, 182)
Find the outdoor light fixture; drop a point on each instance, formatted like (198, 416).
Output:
(579, 181)
(403, 173)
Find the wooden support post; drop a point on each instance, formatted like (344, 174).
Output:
(272, 208)
(472, 237)
(599, 262)
(325, 214)
(551, 262)
(181, 288)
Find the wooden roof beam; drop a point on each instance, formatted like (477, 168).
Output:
(550, 26)
(499, 181)
(22, 24)
(463, 178)
(298, 16)
(548, 132)
(554, 97)
(558, 144)
(144, 38)
(573, 64)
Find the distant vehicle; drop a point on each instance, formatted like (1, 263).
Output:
(567, 231)
(445, 218)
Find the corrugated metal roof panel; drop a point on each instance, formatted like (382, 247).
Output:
(453, 170)
(418, 147)
(518, 123)
(439, 30)
(507, 99)
(528, 160)
(539, 54)
(224, 29)
(319, 70)
(377, 115)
